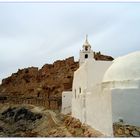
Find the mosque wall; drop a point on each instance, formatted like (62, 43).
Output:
(98, 110)
(121, 84)
(95, 71)
(89, 104)
(82, 56)
(77, 108)
(89, 74)
(125, 105)
(66, 102)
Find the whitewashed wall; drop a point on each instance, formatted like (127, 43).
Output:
(82, 56)
(99, 111)
(95, 71)
(77, 108)
(92, 108)
(89, 74)
(66, 102)
(126, 105)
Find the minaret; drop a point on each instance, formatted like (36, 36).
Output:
(86, 52)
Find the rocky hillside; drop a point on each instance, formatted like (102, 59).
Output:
(101, 57)
(18, 121)
(39, 86)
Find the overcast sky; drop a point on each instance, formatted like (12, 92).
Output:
(32, 34)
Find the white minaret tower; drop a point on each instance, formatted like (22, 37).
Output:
(86, 52)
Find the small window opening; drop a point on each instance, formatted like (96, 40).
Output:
(86, 56)
(79, 90)
(86, 48)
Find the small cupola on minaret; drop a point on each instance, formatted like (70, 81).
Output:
(86, 52)
(86, 45)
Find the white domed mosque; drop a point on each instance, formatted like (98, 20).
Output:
(106, 91)
(122, 80)
(125, 68)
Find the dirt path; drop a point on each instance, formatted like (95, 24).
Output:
(50, 125)
(53, 116)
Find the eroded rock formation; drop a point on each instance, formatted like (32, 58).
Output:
(39, 86)
(101, 57)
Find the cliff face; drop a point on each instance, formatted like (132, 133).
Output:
(39, 87)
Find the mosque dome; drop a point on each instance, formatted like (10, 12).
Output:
(124, 68)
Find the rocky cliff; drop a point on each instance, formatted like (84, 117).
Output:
(100, 57)
(39, 86)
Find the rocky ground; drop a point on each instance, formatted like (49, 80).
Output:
(18, 121)
(36, 121)
(77, 129)
(125, 130)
